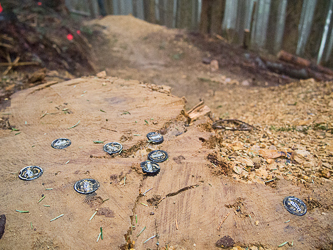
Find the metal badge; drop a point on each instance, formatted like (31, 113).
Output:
(86, 186)
(155, 137)
(158, 156)
(30, 173)
(150, 167)
(61, 143)
(294, 205)
(113, 148)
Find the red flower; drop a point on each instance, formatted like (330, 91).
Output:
(1, 9)
(39, 3)
(70, 37)
(78, 32)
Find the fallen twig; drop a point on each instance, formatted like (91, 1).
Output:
(176, 224)
(241, 126)
(223, 221)
(144, 204)
(19, 63)
(11, 65)
(43, 115)
(271, 180)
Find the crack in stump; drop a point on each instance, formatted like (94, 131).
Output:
(182, 190)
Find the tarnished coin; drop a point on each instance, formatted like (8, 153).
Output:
(150, 167)
(158, 156)
(61, 143)
(86, 186)
(113, 148)
(294, 205)
(155, 137)
(30, 173)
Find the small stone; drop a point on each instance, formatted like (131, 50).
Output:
(225, 242)
(245, 83)
(101, 74)
(214, 65)
(238, 170)
(325, 173)
(269, 161)
(257, 223)
(152, 213)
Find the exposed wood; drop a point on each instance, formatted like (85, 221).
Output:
(87, 160)
(200, 104)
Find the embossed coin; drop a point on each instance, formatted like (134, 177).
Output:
(150, 167)
(294, 205)
(30, 173)
(113, 148)
(155, 137)
(158, 156)
(86, 186)
(61, 143)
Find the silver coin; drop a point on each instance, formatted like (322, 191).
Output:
(294, 205)
(61, 143)
(30, 173)
(86, 186)
(158, 156)
(150, 167)
(113, 148)
(155, 137)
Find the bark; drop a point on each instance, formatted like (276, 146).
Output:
(184, 14)
(218, 7)
(109, 7)
(135, 8)
(169, 14)
(205, 16)
(149, 11)
(162, 10)
(91, 9)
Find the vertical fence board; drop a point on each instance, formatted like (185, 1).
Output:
(325, 32)
(305, 25)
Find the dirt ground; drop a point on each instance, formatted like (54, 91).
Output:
(214, 173)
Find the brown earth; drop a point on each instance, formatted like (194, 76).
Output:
(239, 178)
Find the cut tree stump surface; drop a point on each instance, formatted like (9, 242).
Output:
(196, 200)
